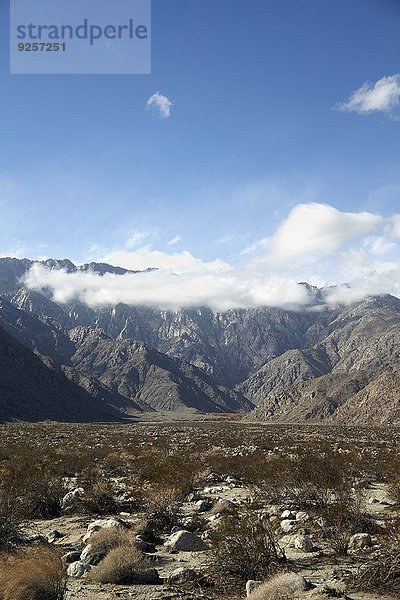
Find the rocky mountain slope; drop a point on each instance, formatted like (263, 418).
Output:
(137, 371)
(126, 374)
(172, 360)
(35, 388)
(362, 397)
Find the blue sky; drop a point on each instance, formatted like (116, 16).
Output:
(86, 172)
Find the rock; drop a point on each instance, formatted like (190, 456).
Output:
(193, 497)
(100, 523)
(53, 535)
(214, 517)
(91, 558)
(191, 524)
(72, 496)
(231, 479)
(250, 585)
(303, 543)
(177, 528)
(373, 500)
(184, 575)
(361, 484)
(287, 525)
(103, 523)
(223, 503)
(144, 546)
(302, 517)
(94, 558)
(72, 556)
(288, 514)
(85, 553)
(78, 569)
(203, 505)
(360, 540)
(295, 582)
(185, 541)
(288, 540)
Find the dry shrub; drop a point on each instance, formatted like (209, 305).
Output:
(344, 519)
(249, 468)
(37, 487)
(279, 587)
(309, 480)
(10, 521)
(107, 538)
(174, 470)
(161, 508)
(381, 573)
(99, 499)
(244, 547)
(124, 565)
(37, 576)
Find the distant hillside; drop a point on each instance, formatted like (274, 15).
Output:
(205, 360)
(360, 397)
(34, 389)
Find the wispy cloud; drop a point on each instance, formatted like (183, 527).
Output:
(174, 240)
(160, 105)
(384, 96)
(359, 253)
(137, 238)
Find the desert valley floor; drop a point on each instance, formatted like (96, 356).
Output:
(201, 502)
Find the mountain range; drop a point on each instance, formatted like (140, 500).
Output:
(333, 364)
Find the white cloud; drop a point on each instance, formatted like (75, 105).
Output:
(178, 262)
(160, 104)
(312, 231)
(137, 237)
(315, 243)
(174, 240)
(384, 95)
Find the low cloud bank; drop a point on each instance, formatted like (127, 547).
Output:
(355, 253)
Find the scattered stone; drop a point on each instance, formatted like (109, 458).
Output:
(302, 517)
(184, 575)
(303, 543)
(72, 496)
(144, 546)
(191, 524)
(72, 556)
(193, 497)
(288, 514)
(287, 525)
(185, 541)
(231, 479)
(214, 517)
(203, 505)
(85, 552)
(360, 540)
(79, 569)
(103, 523)
(53, 535)
(373, 500)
